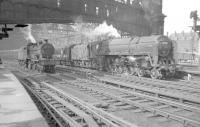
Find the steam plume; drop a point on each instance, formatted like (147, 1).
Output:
(27, 31)
(104, 28)
(94, 32)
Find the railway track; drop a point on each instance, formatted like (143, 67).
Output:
(152, 107)
(130, 91)
(183, 95)
(181, 83)
(177, 91)
(151, 104)
(63, 109)
(47, 110)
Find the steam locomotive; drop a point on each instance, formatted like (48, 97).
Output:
(152, 56)
(38, 56)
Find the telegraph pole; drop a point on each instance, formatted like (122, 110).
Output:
(196, 28)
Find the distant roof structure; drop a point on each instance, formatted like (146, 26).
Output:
(187, 42)
(184, 36)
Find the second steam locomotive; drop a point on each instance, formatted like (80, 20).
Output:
(152, 56)
(38, 56)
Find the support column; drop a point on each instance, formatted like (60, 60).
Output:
(158, 24)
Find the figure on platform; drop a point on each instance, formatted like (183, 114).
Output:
(189, 77)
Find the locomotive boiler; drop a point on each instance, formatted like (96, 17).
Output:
(152, 56)
(38, 56)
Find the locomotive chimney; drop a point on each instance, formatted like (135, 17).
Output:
(46, 40)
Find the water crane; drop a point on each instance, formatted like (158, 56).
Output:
(195, 17)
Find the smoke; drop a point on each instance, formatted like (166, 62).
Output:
(27, 31)
(101, 32)
(106, 29)
(94, 32)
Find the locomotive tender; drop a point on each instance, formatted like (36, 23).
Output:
(38, 56)
(152, 56)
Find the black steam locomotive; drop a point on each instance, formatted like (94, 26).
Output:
(38, 56)
(152, 56)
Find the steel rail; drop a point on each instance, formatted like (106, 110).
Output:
(108, 118)
(156, 92)
(61, 109)
(194, 84)
(145, 107)
(89, 120)
(172, 103)
(62, 114)
(160, 85)
(42, 102)
(129, 91)
(150, 91)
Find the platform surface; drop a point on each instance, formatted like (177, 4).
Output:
(192, 69)
(16, 107)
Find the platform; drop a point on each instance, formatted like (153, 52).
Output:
(195, 70)
(16, 107)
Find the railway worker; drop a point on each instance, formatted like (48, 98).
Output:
(189, 77)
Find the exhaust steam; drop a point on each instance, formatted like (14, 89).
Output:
(27, 31)
(93, 32)
(105, 29)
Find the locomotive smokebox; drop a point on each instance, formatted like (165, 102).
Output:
(47, 50)
(40, 50)
(164, 46)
